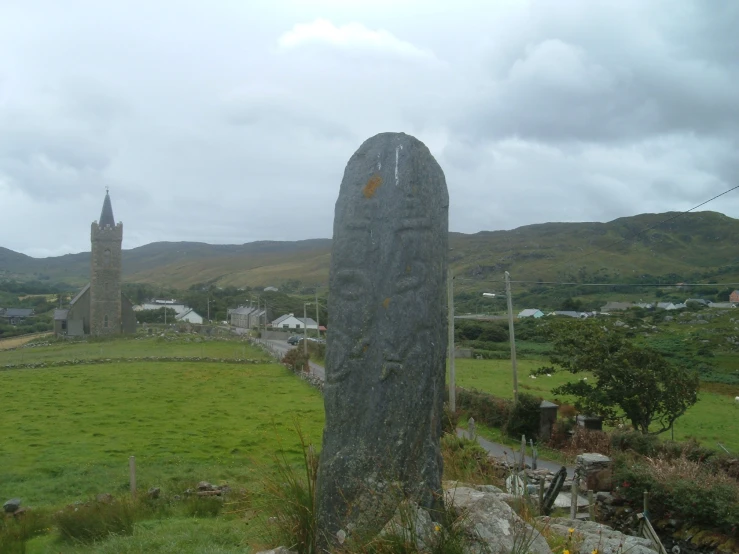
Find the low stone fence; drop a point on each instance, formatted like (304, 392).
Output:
(98, 361)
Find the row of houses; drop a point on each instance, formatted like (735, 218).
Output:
(15, 316)
(621, 306)
(538, 313)
(249, 317)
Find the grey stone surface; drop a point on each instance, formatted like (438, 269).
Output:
(385, 368)
(493, 524)
(596, 535)
(413, 524)
(12, 505)
(595, 471)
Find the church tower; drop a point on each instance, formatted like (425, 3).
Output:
(105, 273)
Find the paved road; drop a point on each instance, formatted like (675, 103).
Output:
(506, 452)
(282, 347)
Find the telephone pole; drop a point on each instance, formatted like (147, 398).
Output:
(318, 331)
(305, 328)
(512, 336)
(450, 348)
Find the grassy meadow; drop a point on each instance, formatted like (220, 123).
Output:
(714, 419)
(67, 432)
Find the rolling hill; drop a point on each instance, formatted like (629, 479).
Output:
(700, 245)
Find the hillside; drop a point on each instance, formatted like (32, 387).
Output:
(694, 246)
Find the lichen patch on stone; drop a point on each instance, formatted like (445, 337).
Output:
(372, 185)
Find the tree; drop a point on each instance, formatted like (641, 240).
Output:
(629, 383)
(571, 305)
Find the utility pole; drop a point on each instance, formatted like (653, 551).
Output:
(318, 331)
(305, 328)
(512, 336)
(450, 348)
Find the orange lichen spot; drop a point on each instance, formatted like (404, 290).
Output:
(386, 303)
(372, 185)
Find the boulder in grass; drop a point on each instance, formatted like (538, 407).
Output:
(12, 505)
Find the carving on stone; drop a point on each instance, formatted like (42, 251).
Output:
(385, 359)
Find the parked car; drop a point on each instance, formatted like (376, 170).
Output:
(295, 339)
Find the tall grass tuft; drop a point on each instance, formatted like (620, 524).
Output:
(289, 498)
(95, 520)
(15, 531)
(465, 460)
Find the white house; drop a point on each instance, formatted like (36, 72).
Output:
(191, 316)
(722, 305)
(531, 313)
(289, 321)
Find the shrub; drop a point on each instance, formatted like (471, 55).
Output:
(95, 520)
(486, 409)
(295, 359)
(465, 460)
(203, 506)
(587, 440)
(646, 445)
(15, 531)
(449, 420)
(524, 418)
(680, 489)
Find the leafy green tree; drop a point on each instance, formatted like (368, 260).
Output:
(571, 305)
(629, 383)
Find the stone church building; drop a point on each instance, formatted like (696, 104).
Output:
(100, 308)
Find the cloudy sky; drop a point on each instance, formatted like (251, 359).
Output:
(231, 121)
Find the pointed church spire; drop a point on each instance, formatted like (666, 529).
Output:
(106, 216)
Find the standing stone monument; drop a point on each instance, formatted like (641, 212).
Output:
(385, 358)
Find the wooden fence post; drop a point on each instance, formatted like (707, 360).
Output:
(523, 452)
(573, 498)
(132, 471)
(541, 496)
(591, 505)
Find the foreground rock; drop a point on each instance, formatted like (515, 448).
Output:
(387, 340)
(12, 505)
(492, 525)
(597, 536)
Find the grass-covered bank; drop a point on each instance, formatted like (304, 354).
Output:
(714, 419)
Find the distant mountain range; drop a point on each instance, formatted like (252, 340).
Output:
(702, 245)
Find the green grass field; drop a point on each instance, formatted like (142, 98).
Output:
(714, 419)
(67, 432)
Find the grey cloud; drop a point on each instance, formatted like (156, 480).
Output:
(594, 83)
(206, 128)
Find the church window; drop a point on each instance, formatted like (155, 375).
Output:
(106, 257)
(105, 321)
